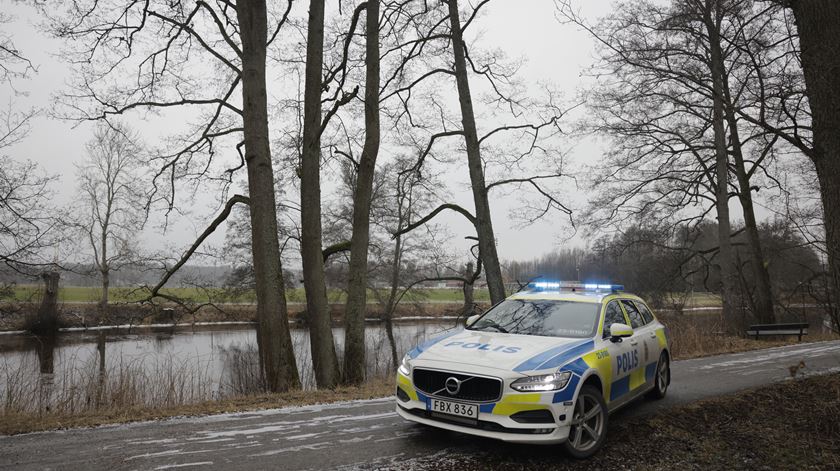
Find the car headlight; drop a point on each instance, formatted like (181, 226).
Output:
(550, 382)
(405, 368)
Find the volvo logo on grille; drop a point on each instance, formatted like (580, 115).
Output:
(453, 385)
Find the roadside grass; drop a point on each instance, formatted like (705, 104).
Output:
(792, 425)
(24, 422)
(699, 335)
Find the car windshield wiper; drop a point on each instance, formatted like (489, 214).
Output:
(494, 325)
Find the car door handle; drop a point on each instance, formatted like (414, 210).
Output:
(633, 342)
(653, 335)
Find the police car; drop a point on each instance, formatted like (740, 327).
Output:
(546, 365)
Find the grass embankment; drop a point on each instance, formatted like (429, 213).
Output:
(793, 425)
(14, 423)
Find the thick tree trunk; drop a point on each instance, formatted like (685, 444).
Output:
(46, 320)
(277, 360)
(354, 314)
(818, 23)
(324, 360)
(762, 301)
(725, 255)
(469, 291)
(484, 223)
(104, 269)
(106, 284)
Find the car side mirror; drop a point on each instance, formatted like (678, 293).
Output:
(471, 320)
(619, 331)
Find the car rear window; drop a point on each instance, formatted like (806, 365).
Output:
(648, 316)
(635, 316)
(543, 317)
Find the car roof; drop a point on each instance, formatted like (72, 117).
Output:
(573, 296)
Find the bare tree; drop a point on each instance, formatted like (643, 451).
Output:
(111, 201)
(324, 359)
(483, 220)
(711, 16)
(197, 56)
(27, 222)
(675, 102)
(818, 25)
(354, 314)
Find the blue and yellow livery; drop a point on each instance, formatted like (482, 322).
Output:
(546, 365)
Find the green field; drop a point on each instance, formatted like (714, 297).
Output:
(80, 294)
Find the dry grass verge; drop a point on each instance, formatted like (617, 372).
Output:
(15, 423)
(694, 336)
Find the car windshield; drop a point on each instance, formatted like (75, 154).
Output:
(545, 317)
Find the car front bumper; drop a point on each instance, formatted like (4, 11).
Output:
(494, 419)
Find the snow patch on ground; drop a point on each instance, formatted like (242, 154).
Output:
(769, 355)
(184, 465)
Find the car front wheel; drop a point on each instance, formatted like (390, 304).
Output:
(589, 424)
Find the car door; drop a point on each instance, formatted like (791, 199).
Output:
(622, 355)
(644, 339)
(651, 339)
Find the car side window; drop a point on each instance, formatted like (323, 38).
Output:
(636, 319)
(646, 314)
(612, 316)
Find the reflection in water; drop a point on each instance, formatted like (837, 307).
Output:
(154, 367)
(45, 346)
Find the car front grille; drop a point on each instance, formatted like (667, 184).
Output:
(473, 388)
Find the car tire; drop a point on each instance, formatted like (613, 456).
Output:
(582, 442)
(661, 379)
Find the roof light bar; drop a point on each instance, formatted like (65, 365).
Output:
(573, 286)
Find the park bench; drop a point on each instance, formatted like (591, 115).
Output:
(796, 328)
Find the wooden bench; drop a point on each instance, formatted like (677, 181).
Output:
(797, 328)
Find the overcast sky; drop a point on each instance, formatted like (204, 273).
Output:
(553, 52)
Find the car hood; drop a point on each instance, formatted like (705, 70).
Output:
(511, 352)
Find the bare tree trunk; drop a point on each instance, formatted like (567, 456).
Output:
(484, 223)
(818, 23)
(469, 291)
(104, 269)
(324, 360)
(354, 314)
(392, 295)
(46, 321)
(725, 255)
(106, 284)
(277, 360)
(762, 302)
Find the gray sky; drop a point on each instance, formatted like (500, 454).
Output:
(553, 52)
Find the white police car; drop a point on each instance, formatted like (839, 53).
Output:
(546, 365)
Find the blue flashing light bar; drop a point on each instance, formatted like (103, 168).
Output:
(573, 286)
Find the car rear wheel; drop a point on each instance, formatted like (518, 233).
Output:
(662, 378)
(589, 424)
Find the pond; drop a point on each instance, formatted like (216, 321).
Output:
(160, 366)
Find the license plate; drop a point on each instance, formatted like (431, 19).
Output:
(469, 411)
